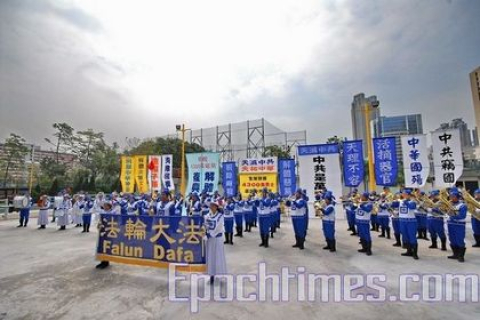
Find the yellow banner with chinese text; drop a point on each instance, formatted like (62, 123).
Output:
(127, 174)
(140, 165)
(257, 181)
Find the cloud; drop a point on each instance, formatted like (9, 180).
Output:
(138, 70)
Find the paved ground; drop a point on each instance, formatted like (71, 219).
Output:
(47, 274)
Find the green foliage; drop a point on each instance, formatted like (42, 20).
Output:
(276, 151)
(15, 152)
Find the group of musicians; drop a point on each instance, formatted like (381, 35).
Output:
(411, 213)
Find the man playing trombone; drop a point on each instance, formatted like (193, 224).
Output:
(456, 226)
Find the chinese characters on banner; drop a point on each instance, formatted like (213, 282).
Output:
(416, 165)
(319, 168)
(386, 165)
(353, 166)
(167, 172)
(287, 178)
(140, 163)
(155, 172)
(229, 178)
(257, 174)
(447, 157)
(261, 165)
(257, 181)
(203, 172)
(127, 174)
(152, 241)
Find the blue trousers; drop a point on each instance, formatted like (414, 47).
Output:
(396, 226)
(229, 225)
(363, 227)
(249, 217)
(264, 220)
(408, 229)
(456, 234)
(24, 216)
(373, 219)
(476, 226)
(351, 218)
(435, 227)
(421, 221)
(238, 219)
(383, 221)
(328, 229)
(87, 218)
(279, 216)
(299, 226)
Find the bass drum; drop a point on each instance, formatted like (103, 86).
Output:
(20, 202)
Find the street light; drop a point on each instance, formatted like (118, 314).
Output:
(370, 104)
(181, 128)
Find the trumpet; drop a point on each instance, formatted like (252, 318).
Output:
(445, 204)
(472, 204)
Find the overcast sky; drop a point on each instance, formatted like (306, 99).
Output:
(136, 68)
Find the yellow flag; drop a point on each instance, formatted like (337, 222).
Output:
(140, 164)
(127, 174)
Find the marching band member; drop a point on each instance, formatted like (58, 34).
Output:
(248, 213)
(421, 215)
(476, 222)
(179, 203)
(238, 215)
(298, 213)
(362, 219)
(278, 207)
(87, 207)
(215, 250)
(196, 207)
(107, 209)
(132, 206)
(76, 211)
(228, 217)
(435, 223)
(395, 211)
(383, 216)
(273, 214)
(98, 203)
(350, 209)
(328, 222)
(456, 226)
(307, 213)
(115, 202)
(408, 224)
(62, 212)
(264, 218)
(25, 212)
(43, 205)
(54, 212)
(166, 207)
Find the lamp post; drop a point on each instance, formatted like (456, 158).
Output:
(368, 107)
(182, 129)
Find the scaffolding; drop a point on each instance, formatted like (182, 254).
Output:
(247, 139)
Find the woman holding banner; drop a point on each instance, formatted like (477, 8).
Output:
(214, 221)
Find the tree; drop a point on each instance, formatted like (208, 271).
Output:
(86, 143)
(65, 139)
(15, 152)
(276, 151)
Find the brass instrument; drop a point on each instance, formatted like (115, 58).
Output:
(318, 206)
(472, 204)
(445, 205)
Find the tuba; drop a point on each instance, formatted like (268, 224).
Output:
(318, 206)
(472, 204)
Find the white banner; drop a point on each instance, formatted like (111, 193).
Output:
(416, 164)
(447, 157)
(260, 165)
(167, 169)
(155, 173)
(319, 167)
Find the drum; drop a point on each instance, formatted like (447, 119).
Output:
(20, 202)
